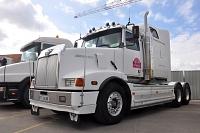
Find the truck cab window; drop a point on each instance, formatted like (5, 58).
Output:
(110, 39)
(31, 54)
(45, 45)
(154, 33)
(90, 43)
(132, 43)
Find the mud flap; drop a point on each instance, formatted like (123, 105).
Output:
(35, 110)
(75, 119)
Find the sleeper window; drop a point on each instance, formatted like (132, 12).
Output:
(154, 33)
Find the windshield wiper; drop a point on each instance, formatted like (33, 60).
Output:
(102, 45)
(107, 45)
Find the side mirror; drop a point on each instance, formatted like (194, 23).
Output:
(4, 62)
(135, 31)
(75, 44)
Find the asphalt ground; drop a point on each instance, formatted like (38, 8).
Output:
(158, 119)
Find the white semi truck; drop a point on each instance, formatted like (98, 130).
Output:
(118, 68)
(15, 78)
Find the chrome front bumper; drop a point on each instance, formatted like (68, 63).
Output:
(72, 104)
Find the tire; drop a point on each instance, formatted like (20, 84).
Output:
(186, 94)
(111, 104)
(178, 96)
(25, 97)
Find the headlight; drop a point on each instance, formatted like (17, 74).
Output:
(70, 82)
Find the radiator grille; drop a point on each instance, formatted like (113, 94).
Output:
(46, 74)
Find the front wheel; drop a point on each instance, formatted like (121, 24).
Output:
(111, 104)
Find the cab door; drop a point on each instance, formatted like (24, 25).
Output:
(133, 57)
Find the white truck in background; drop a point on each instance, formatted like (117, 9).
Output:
(118, 68)
(15, 78)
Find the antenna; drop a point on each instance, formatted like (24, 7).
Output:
(129, 15)
(39, 30)
(129, 22)
(80, 28)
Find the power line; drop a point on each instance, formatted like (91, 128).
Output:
(130, 12)
(106, 7)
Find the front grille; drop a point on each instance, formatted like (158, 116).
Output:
(46, 74)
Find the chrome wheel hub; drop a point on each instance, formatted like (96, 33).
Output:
(114, 103)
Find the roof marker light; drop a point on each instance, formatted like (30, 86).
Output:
(113, 24)
(93, 29)
(100, 28)
(118, 24)
(107, 24)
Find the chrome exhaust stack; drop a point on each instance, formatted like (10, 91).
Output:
(148, 70)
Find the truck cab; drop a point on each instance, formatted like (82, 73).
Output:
(15, 78)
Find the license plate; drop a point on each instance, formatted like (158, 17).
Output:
(43, 98)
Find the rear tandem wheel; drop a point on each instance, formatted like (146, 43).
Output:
(186, 94)
(178, 91)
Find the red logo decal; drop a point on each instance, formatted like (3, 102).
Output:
(136, 63)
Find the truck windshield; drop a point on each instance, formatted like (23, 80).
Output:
(110, 38)
(31, 53)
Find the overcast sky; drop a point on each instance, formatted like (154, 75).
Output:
(24, 20)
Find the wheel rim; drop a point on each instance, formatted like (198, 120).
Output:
(179, 95)
(114, 103)
(187, 94)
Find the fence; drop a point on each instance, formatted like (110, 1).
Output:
(192, 77)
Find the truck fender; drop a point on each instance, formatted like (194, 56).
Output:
(175, 84)
(124, 86)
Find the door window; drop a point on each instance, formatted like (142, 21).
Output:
(132, 43)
